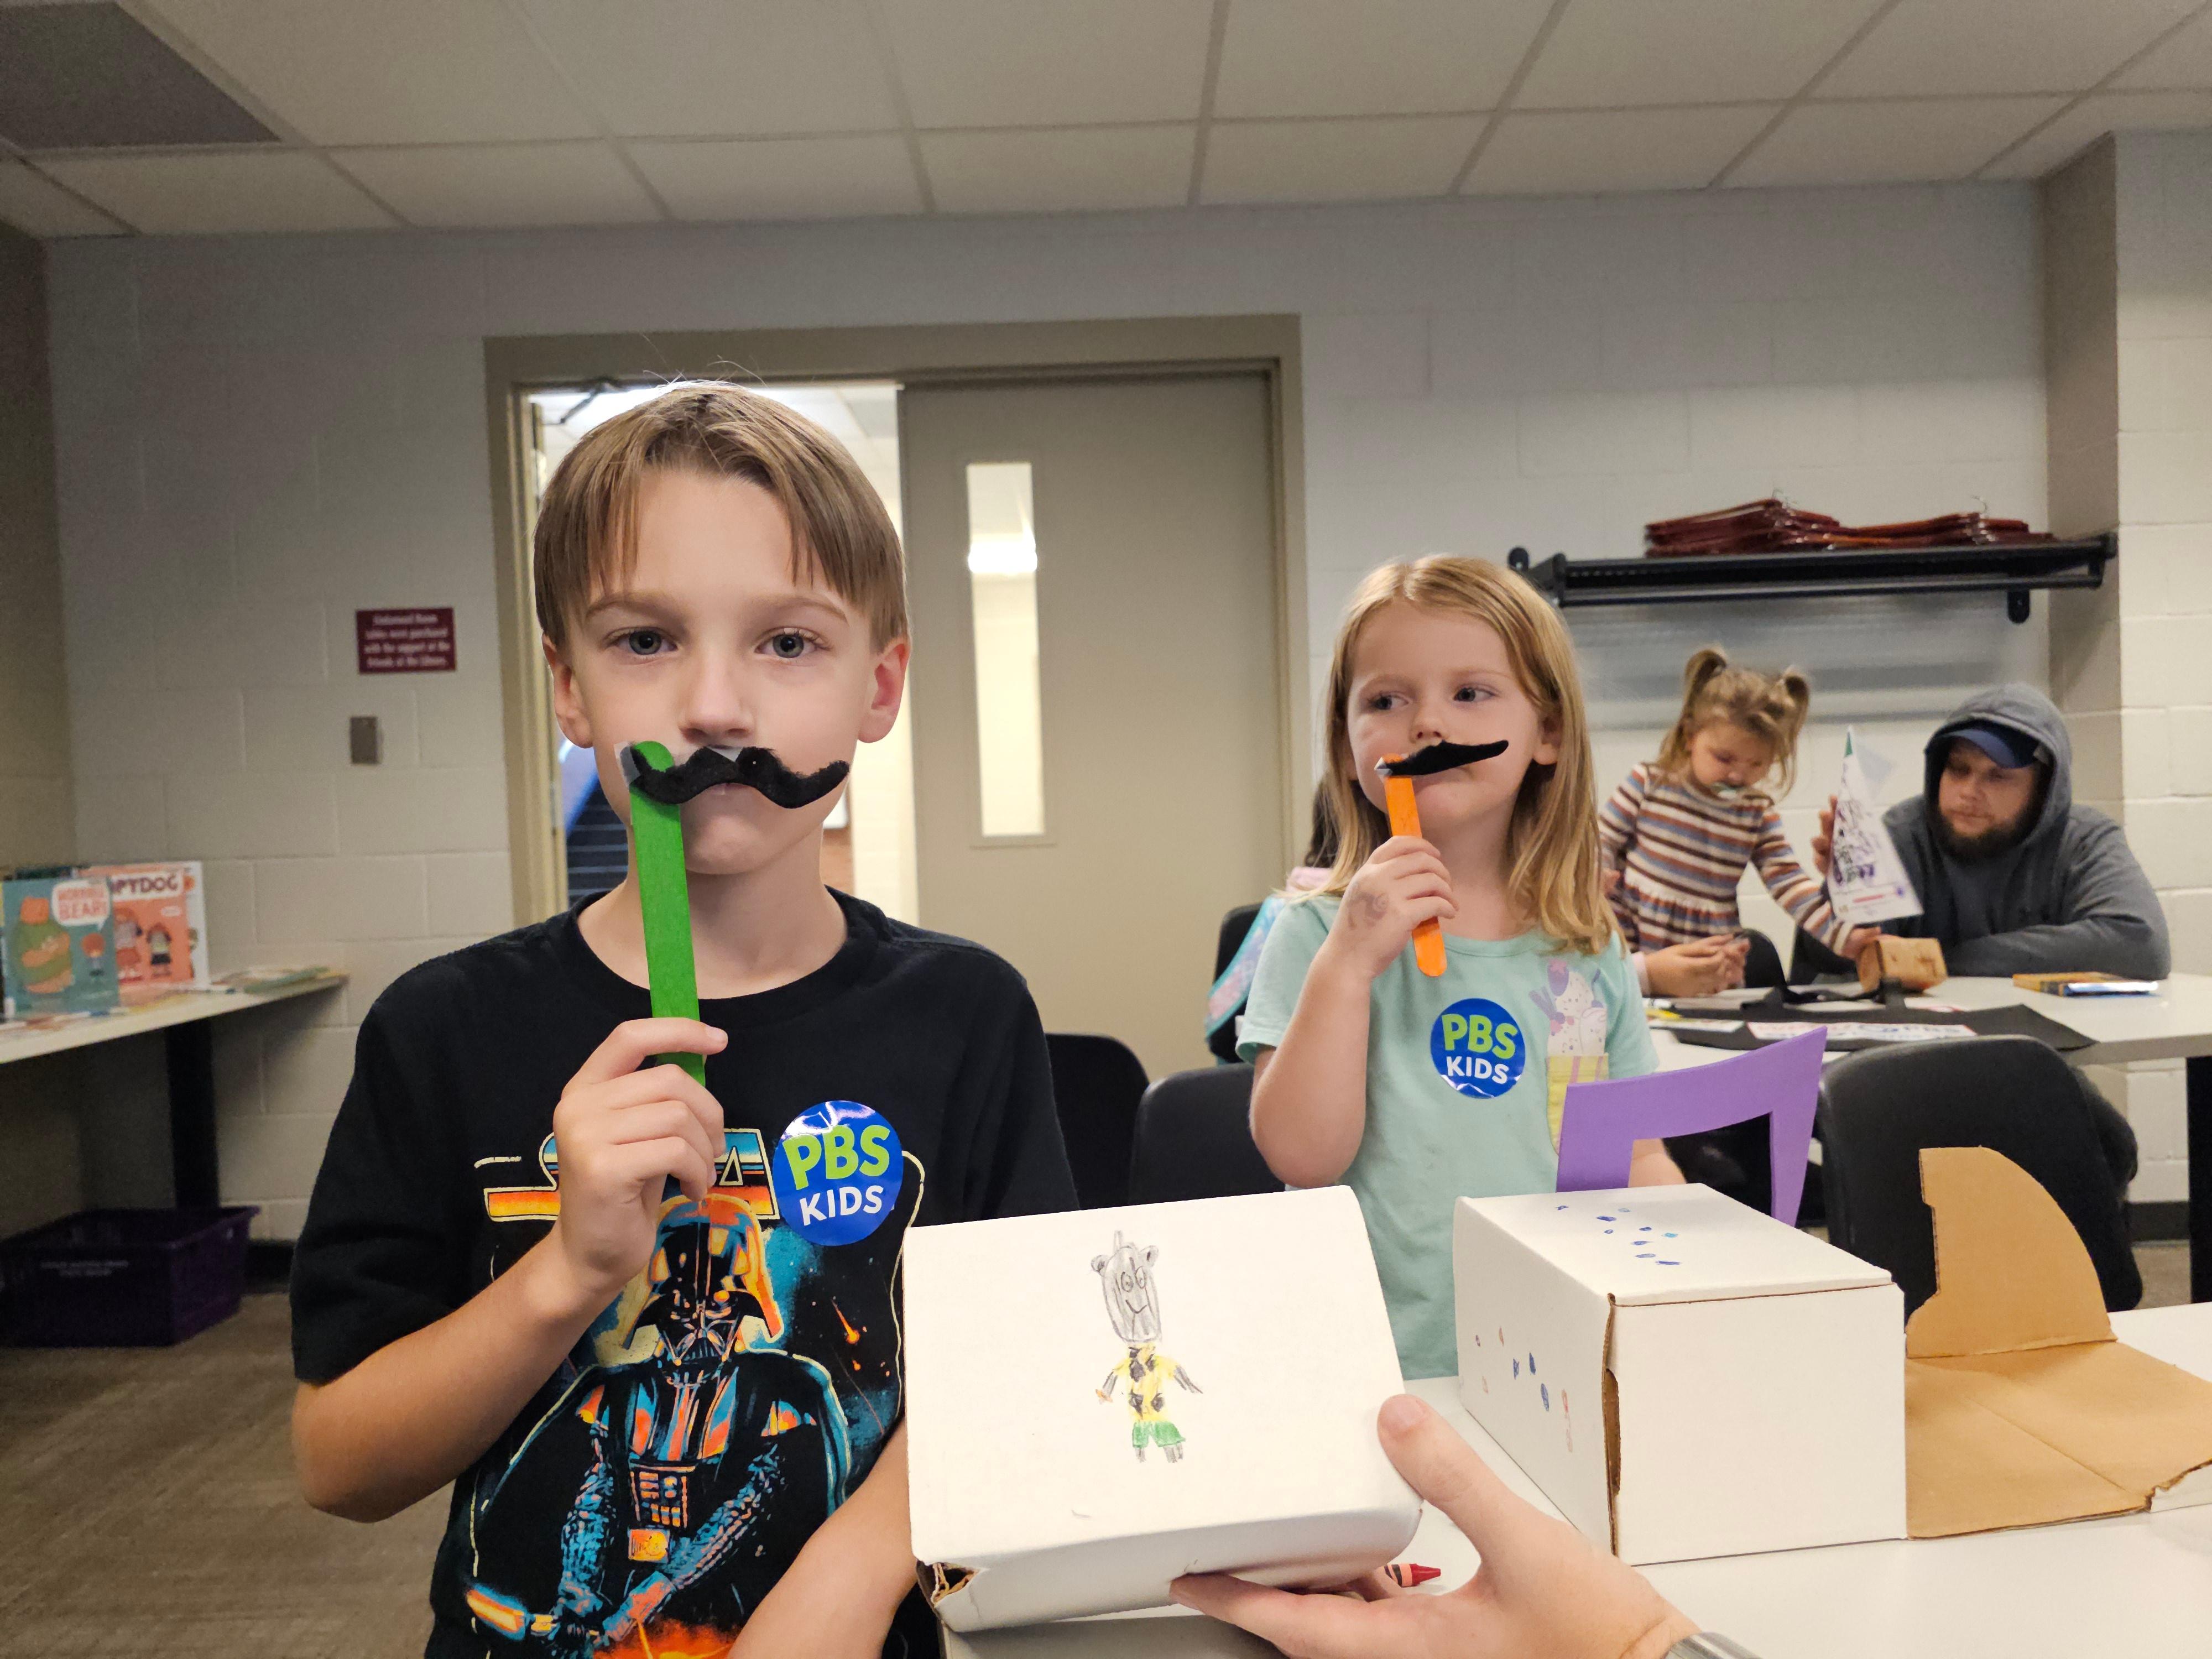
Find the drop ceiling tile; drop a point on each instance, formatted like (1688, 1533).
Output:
(2184, 62)
(1021, 62)
(1353, 161)
(1585, 151)
(1380, 57)
(92, 76)
(1606, 54)
(782, 178)
(1890, 143)
(579, 182)
(390, 72)
(214, 192)
(39, 207)
(2097, 115)
(1078, 169)
(1958, 47)
(720, 68)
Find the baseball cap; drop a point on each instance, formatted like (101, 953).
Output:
(2002, 743)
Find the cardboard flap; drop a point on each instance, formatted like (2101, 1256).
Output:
(2011, 1273)
(2021, 1408)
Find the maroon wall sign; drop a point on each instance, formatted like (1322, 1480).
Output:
(418, 641)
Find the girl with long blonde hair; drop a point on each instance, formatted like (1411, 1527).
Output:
(1414, 1090)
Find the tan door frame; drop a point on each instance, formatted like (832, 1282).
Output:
(923, 354)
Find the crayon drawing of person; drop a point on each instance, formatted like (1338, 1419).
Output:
(1132, 1303)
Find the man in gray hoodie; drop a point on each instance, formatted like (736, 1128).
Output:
(2012, 876)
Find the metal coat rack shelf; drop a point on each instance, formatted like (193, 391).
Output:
(2015, 571)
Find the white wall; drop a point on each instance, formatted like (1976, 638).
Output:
(257, 436)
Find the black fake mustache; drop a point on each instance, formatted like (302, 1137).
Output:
(756, 769)
(1439, 757)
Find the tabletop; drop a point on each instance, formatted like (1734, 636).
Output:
(2175, 1023)
(22, 1040)
(2134, 1584)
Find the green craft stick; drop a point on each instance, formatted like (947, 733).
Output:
(664, 894)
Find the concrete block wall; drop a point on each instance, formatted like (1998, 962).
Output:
(259, 435)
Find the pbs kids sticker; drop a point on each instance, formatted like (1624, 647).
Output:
(1478, 1048)
(837, 1172)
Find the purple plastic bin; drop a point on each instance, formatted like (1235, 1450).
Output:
(123, 1279)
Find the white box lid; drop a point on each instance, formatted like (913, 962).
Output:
(1642, 1245)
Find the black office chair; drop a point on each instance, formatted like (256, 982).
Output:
(1762, 962)
(1234, 925)
(1097, 1083)
(2011, 1094)
(1194, 1139)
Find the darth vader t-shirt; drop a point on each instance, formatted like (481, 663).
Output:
(740, 1387)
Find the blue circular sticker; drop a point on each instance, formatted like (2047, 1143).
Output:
(1477, 1048)
(837, 1172)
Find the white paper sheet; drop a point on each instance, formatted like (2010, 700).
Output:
(1867, 881)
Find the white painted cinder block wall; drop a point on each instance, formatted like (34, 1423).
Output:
(256, 436)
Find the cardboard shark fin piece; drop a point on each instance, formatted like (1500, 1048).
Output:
(2021, 1406)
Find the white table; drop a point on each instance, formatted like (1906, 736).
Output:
(2176, 1023)
(2137, 1585)
(189, 1052)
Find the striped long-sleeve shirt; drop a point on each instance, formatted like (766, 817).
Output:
(1680, 853)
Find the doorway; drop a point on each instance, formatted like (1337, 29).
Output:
(1118, 356)
(1098, 736)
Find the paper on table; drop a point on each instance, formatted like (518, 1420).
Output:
(1861, 1031)
(1703, 1025)
(1867, 881)
(2019, 1407)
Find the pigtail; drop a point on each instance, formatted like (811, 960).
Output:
(1795, 693)
(1706, 663)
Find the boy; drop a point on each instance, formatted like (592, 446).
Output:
(672, 1421)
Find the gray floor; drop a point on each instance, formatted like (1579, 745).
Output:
(147, 1506)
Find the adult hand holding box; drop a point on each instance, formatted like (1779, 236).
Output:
(1101, 1401)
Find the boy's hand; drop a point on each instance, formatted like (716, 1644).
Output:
(1824, 837)
(621, 1134)
(1403, 882)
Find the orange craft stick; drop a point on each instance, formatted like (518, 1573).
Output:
(1405, 820)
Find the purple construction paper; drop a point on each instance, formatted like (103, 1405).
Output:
(1601, 1121)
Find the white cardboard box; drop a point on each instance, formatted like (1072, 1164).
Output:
(1040, 1490)
(1684, 1377)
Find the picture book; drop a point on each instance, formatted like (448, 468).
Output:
(59, 945)
(160, 927)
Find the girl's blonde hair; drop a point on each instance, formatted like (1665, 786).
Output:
(1770, 707)
(1550, 848)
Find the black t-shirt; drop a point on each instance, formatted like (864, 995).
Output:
(743, 1383)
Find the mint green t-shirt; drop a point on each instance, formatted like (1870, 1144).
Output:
(1464, 1076)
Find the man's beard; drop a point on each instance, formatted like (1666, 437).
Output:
(1990, 844)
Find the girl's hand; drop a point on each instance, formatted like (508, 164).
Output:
(1855, 942)
(1699, 968)
(1403, 883)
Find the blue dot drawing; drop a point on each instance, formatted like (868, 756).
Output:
(1605, 1217)
(1545, 1391)
(1643, 1255)
(1609, 1230)
(1670, 1235)
(1665, 1263)
(1559, 1207)
(1646, 1228)
(1516, 1368)
(1531, 1364)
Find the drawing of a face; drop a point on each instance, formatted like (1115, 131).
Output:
(1130, 1302)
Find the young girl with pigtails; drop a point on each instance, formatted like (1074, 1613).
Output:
(1678, 832)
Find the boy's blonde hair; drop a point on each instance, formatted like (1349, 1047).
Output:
(1550, 848)
(1770, 707)
(586, 539)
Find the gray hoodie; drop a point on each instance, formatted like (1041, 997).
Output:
(2068, 896)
